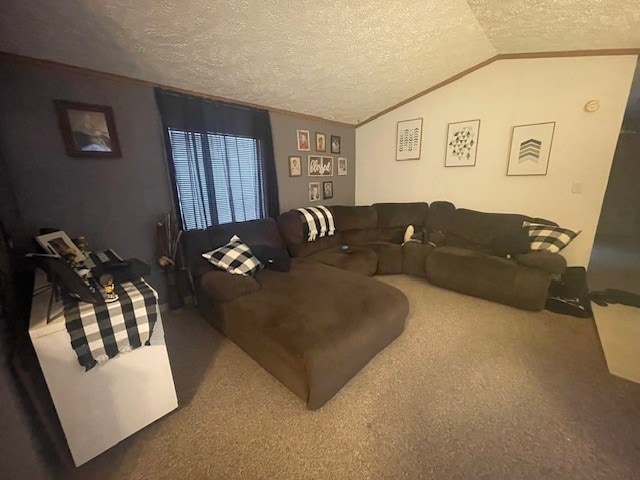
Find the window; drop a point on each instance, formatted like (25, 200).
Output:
(218, 178)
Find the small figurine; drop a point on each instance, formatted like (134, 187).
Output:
(109, 287)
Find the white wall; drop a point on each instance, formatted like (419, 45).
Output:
(501, 95)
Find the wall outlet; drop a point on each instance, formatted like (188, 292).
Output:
(576, 187)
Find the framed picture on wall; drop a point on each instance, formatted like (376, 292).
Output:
(321, 142)
(314, 191)
(327, 190)
(462, 144)
(409, 139)
(320, 166)
(303, 140)
(295, 166)
(342, 166)
(335, 144)
(530, 149)
(88, 131)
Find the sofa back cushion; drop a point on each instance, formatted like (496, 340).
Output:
(394, 218)
(357, 224)
(290, 227)
(253, 232)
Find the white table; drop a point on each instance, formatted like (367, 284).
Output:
(101, 407)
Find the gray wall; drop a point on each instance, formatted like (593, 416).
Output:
(112, 202)
(294, 191)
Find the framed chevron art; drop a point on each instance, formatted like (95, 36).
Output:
(530, 149)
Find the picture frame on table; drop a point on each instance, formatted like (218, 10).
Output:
(295, 166)
(304, 144)
(530, 149)
(59, 244)
(342, 166)
(327, 190)
(88, 130)
(462, 143)
(335, 144)
(321, 142)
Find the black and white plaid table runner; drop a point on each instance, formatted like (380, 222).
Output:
(100, 332)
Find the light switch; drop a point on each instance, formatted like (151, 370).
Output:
(576, 187)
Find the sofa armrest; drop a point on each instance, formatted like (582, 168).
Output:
(553, 263)
(221, 286)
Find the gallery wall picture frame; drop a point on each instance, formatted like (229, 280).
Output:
(335, 144)
(304, 143)
(530, 149)
(342, 166)
(327, 190)
(321, 142)
(409, 139)
(314, 191)
(88, 130)
(295, 166)
(320, 166)
(462, 143)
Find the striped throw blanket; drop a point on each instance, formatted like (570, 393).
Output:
(316, 222)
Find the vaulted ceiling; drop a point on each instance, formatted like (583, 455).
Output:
(336, 59)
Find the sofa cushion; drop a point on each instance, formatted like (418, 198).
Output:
(549, 238)
(510, 243)
(221, 286)
(389, 257)
(414, 257)
(355, 259)
(402, 214)
(235, 257)
(290, 227)
(273, 258)
(354, 218)
(552, 263)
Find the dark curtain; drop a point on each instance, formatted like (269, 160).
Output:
(201, 118)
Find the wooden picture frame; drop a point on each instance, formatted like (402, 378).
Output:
(335, 144)
(314, 191)
(321, 142)
(462, 143)
(327, 190)
(304, 143)
(409, 139)
(320, 166)
(88, 131)
(342, 166)
(530, 149)
(295, 166)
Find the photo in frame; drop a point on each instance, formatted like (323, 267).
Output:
(462, 143)
(335, 144)
(88, 131)
(530, 149)
(409, 139)
(320, 166)
(314, 191)
(321, 142)
(327, 190)
(59, 244)
(304, 145)
(342, 166)
(295, 166)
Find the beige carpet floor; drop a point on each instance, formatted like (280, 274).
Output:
(472, 389)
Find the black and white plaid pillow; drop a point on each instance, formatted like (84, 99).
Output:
(549, 238)
(235, 257)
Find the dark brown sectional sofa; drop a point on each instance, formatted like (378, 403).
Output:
(315, 326)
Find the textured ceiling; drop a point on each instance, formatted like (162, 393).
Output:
(340, 60)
